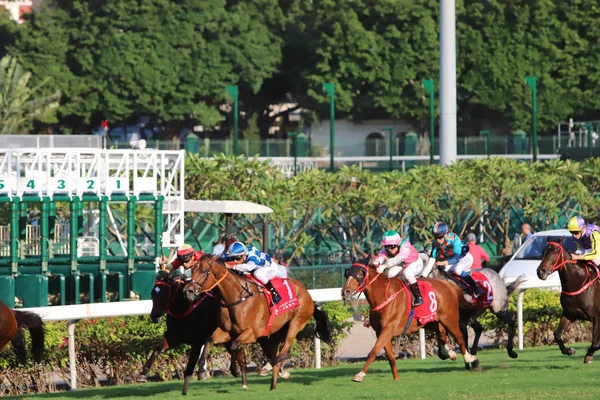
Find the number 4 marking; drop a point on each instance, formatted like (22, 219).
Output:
(31, 184)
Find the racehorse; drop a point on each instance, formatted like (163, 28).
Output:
(580, 295)
(391, 314)
(189, 323)
(470, 313)
(249, 311)
(12, 323)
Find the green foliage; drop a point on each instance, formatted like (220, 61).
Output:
(345, 213)
(20, 103)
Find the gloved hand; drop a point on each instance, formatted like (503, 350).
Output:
(381, 268)
(578, 252)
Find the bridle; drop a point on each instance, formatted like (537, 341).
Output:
(365, 282)
(561, 260)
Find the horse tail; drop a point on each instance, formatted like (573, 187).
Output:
(322, 330)
(514, 285)
(35, 325)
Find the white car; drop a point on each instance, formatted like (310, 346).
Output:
(527, 259)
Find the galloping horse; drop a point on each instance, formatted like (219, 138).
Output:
(249, 312)
(189, 323)
(499, 306)
(391, 310)
(11, 330)
(580, 296)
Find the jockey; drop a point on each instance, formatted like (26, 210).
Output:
(187, 257)
(587, 237)
(261, 265)
(402, 259)
(450, 252)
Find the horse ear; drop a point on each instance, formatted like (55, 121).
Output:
(561, 240)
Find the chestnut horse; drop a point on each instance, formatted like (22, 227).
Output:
(580, 296)
(390, 308)
(249, 311)
(11, 330)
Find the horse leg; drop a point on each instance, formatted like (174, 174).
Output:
(454, 328)
(589, 357)
(294, 327)
(241, 362)
(18, 343)
(193, 357)
(246, 337)
(383, 340)
(464, 330)
(162, 346)
(202, 373)
(442, 339)
(389, 352)
(510, 318)
(564, 324)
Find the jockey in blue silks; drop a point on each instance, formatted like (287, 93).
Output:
(452, 254)
(261, 265)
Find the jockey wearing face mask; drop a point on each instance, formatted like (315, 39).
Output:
(587, 237)
(402, 259)
(453, 255)
(261, 265)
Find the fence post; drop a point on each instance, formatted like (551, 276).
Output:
(317, 353)
(422, 349)
(72, 355)
(520, 317)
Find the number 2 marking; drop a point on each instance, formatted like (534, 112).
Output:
(486, 285)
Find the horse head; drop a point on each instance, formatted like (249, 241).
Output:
(357, 277)
(554, 257)
(203, 277)
(162, 295)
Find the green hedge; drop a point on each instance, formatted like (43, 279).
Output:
(116, 349)
(327, 218)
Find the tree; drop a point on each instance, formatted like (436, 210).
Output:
(167, 60)
(20, 104)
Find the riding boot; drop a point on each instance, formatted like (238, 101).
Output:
(417, 299)
(276, 297)
(471, 282)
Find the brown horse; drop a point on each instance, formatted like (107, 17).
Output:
(580, 296)
(390, 311)
(249, 311)
(11, 330)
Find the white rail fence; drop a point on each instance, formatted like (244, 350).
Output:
(73, 313)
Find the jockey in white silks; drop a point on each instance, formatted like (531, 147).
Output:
(401, 258)
(261, 265)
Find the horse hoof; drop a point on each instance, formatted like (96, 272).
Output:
(202, 376)
(452, 355)
(467, 366)
(475, 364)
(244, 386)
(284, 375)
(571, 352)
(513, 354)
(142, 379)
(469, 358)
(358, 377)
(588, 359)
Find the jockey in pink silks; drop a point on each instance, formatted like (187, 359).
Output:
(401, 259)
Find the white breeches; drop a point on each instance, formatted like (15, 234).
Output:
(265, 274)
(464, 265)
(410, 272)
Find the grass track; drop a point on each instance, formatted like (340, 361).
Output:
(539, 373)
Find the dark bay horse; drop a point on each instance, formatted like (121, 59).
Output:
(390, 305)
(11, 330)
(188, 323)
(499, 306)
(580, 296)
(249, 312)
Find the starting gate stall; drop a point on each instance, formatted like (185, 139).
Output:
(43, 252)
